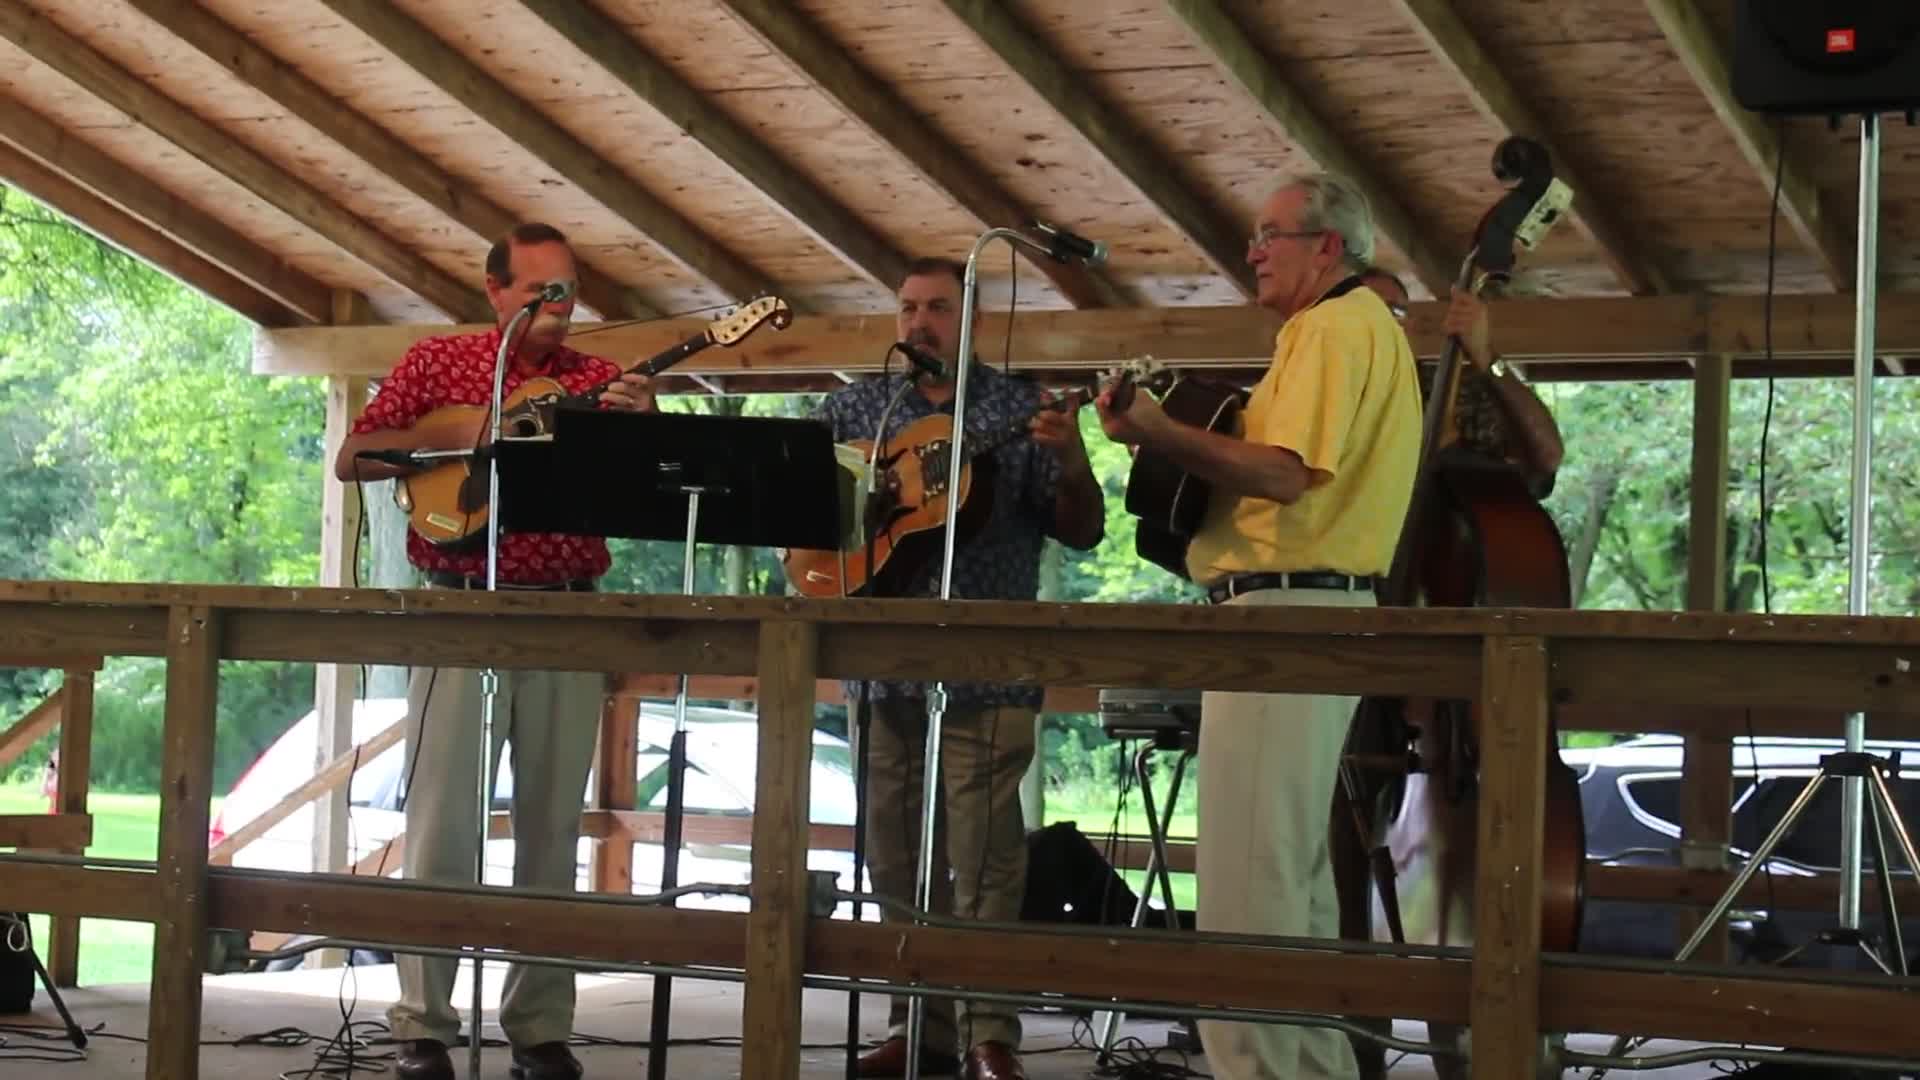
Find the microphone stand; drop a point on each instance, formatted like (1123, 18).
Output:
(937, 697)
(489, 678)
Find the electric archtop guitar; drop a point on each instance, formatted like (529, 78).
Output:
(906, 512)
(447, 504)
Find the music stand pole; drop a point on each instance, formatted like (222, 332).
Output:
(671, 836)
(1859, 574)
(937, 697)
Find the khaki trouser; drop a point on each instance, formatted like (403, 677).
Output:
(981, 838)
(1268, 764)
(552, 718)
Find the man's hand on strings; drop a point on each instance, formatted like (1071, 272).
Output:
(631, 392)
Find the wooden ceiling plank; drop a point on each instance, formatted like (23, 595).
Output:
(1221, 240)
(135, 237)
(1259, 76)
(491, 101)
(363, 138)
(829, 221)
(31, 135)
(167, 118)
(819, 59)
(1692, 38)
(1448, 37)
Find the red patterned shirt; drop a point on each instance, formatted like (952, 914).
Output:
(458, 370)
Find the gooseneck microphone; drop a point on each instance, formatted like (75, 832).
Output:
(923, 361)
(1067, 246)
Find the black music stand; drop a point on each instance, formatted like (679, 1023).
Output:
(746, 481)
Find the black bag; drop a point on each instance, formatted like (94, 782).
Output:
(16, 965)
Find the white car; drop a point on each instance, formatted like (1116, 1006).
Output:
(721, 752)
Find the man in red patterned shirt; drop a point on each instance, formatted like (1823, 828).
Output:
(551, 717)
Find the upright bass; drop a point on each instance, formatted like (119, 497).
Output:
(1475, 536)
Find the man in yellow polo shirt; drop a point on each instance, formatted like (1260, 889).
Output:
(1307, 507)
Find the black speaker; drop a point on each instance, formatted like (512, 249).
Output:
(1069, 881)
(16, 967)
(1827, 57)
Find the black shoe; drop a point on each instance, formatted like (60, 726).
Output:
(547, 1061)
(422, 1059)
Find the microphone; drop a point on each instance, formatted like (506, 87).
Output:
(551, 293)
(1064, 245)
(403, 458)
(923, 361)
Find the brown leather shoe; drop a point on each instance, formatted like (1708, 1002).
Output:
(993, 1061)
(890, 1059)
(547, 1061)
(422, 1059)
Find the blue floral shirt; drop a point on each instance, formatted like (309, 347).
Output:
(1002, 561)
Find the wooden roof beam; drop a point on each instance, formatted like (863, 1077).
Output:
(28, 134)
(1217, 32)
(820, 60)
(142, 241)
(219, 151)
(1450, 40)
(1688, 32)
(366, 140)
(1221, 240)
(828, 220)
(1629, 329)
(491, 101)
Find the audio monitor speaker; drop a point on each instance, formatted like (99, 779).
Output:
(1827, 57)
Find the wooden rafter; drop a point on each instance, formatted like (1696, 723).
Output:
(1222, 241)
(1497, 99)
(365, 139)
(165, 117)
(820, 214)
(491, 101)
(1692, 39)
(32, 135)
(816, 57)
(142, 241)
(1237, 54)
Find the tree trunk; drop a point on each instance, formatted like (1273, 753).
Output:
(1606, 482)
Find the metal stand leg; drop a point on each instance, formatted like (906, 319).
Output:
(670, 840)
(862, 731)
(1107, 1023)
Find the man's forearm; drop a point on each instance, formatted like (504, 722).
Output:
(1539, 434)
(1233, 466)
(1079, 509)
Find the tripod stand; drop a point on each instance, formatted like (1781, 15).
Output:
(17, 935)
(1860, 773)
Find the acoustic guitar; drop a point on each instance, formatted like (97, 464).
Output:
(907, 510)
(447, 504)
(1170, 501)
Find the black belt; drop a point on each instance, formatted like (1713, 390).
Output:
(1227, 588)
(444, 580)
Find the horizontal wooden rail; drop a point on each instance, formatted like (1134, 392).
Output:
(53, 832)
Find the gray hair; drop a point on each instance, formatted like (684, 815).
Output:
(1336, 205)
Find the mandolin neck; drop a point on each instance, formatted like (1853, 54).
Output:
(649, 367)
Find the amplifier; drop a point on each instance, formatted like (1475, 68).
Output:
(1161, 715)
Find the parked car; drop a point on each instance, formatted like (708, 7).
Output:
(1630, 794)
(721, 754)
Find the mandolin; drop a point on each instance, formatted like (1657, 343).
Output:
(447, 504)
(908, 509)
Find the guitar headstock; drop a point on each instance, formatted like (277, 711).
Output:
(1136, 372)
(732, 328)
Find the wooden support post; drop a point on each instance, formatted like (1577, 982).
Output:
(1505, 1009)
(777, 927)
(615, 781)
(1706, 770)
(76, 764)
(186, 794)
(334, 685)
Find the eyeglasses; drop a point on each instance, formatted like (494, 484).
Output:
(1268, 234)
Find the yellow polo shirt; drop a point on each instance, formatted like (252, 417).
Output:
(1343, 394)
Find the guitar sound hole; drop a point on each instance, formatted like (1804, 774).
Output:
(522, 427)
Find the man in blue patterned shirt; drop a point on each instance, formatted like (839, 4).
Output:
(1042, 486)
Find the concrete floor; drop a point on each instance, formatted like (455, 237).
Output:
(610, 1007)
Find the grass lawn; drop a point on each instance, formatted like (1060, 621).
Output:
(124, 827)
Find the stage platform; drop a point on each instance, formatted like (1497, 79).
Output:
(611, 1008)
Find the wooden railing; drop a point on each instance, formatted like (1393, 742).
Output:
(1517, 663)
(67, 827)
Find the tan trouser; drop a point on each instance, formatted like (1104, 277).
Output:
(552, 718)
(980, 838)
(1268, 763)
